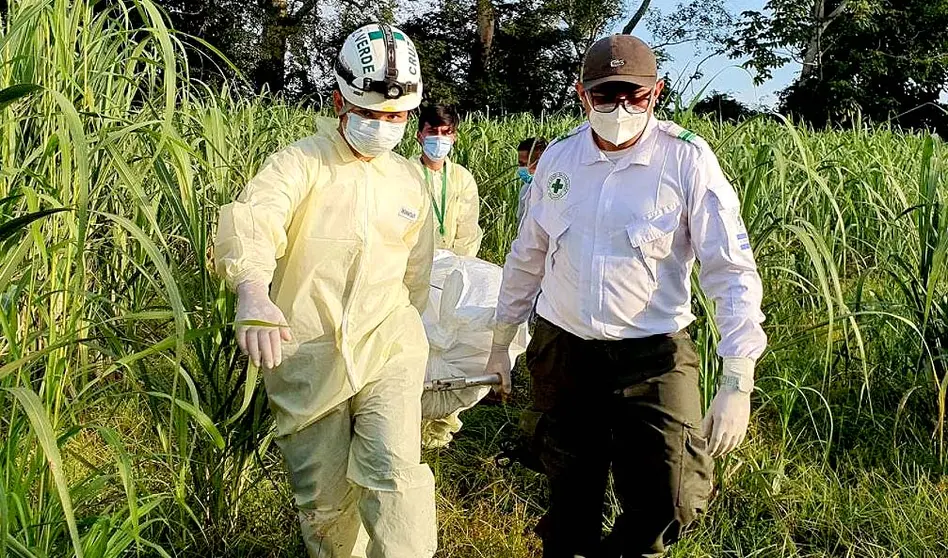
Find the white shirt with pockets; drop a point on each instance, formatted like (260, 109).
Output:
(610, 245)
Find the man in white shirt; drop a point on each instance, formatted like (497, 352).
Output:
(620, 209)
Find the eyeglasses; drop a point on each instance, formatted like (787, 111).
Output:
(607, 102)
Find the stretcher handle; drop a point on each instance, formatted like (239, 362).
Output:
(451, 384)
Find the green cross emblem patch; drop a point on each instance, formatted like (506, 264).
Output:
(557, 186)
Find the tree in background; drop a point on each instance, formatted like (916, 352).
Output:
(525, 55)
(226, 25)
(886, 59)
(280, 22)
(724, 107)
(510, 55)
(506, 55)
(706, 24)
(283, 46)
(793, 30)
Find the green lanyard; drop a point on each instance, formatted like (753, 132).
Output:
(439, 213)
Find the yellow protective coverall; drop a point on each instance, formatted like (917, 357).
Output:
(348, 245)
(462, 232)
(456, 186)
(325, 126)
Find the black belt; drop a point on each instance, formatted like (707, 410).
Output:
(610, 345)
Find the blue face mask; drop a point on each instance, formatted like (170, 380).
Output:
(437, 147)
(524, 174)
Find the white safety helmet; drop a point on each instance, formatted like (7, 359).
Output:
(378, 69)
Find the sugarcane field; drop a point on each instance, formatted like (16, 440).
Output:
(473, 278)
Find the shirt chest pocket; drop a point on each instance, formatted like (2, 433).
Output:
(653, 236)
(555, 225)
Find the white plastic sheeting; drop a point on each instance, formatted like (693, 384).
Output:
(459, 322)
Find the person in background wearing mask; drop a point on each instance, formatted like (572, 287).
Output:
(454, 197)
(329, 248)
(456, 206)
(620, 210)
(528, 156)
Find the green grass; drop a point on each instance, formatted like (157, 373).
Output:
(129, 424)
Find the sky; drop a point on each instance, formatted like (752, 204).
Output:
(720, 73)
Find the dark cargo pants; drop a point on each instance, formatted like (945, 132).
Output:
(633, 405)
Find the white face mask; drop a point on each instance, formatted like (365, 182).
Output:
(618, 126)
(372, 138)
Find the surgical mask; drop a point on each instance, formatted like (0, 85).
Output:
(524, 174)
(618, 126)
(437, 147)
(370, 137)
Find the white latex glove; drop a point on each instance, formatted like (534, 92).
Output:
(499, 360)
(499, 363)
(262, 343)
(725, 425)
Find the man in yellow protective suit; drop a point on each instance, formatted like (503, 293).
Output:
(330, 249)
(454, 197)
(455, 204)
